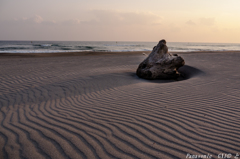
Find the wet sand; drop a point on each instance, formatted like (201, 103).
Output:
(92, 105)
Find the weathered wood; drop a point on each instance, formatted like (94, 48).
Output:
(160, 64)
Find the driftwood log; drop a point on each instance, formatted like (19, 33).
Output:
(160, 64)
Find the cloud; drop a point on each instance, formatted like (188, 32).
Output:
(99, 18)
(71, 22)
(96, 25)
(31, 20)
(207, 21)
(49, 22)
(190, 22)
(37, 19)
(34, 20)
(112, 17)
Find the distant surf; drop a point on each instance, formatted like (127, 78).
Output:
(112, 46)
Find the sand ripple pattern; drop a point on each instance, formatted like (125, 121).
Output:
(95, 107)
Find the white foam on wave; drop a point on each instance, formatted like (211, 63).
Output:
(41, 51)
(130, 50)
(197, 50)
(124, 45)
(64, 51)
(46, 45)
(113, 50)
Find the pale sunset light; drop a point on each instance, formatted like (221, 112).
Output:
(80, 20)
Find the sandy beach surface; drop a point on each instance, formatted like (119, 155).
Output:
(94, 106)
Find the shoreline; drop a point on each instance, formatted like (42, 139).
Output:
(90, 53)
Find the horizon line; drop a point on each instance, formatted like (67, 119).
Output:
(120, 41)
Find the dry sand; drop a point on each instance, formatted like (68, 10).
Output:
(96, 107)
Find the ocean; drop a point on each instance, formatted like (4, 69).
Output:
(109, 46)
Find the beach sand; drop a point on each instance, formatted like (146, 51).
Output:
(92, 105)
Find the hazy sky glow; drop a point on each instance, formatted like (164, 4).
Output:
(125, 20)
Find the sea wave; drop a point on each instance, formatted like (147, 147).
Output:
(76, 46)
(69, 50)
(42, 45)
(125, 45)
(86, 47)
(46, 45)
(41, 51)
(12, 48)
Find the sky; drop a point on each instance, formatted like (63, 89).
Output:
(215, 21)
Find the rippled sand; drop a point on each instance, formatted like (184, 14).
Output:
(96, 107)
